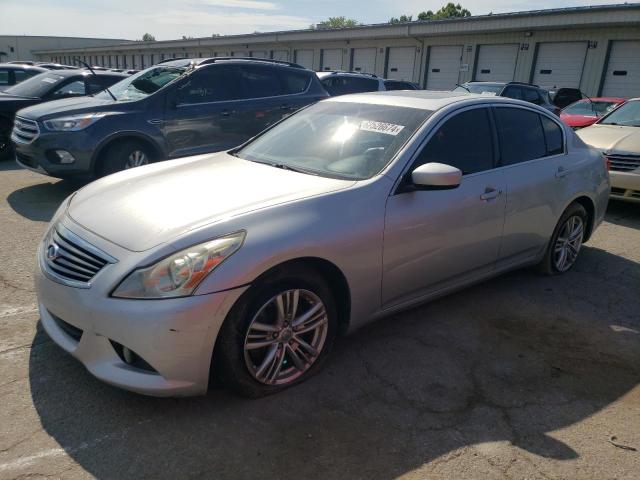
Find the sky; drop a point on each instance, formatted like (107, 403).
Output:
(171, 19)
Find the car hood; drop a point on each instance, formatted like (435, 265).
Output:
(66, 105)
(14, 102)
(144, 207)
(612, 138)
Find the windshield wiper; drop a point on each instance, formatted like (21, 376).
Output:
(462, 86)
(94, 73)
(284, 166)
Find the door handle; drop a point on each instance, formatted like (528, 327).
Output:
(489, 194)
(561, 172)
(156, 121)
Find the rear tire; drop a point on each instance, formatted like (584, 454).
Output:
(566, 241)
(294, 349)
(124, 155)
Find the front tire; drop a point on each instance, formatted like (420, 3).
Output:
(566, 241)
(277, 335)
(125, 155)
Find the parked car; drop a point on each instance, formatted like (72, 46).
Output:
(45, 87)
(587, 111)
(617, 136)
(179, 108)
(14, 73)
(565, 96)
(343, 83)
(518, 90)
(245, 265)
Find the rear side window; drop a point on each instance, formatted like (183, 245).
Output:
(259, 82)
(345, 85)
(464, 141)
(4, 77)
(521, 135)
(398, 86)
(531, 95)
(21, 75)
(294, 82)
(213, 84)
(513, 92)
(553, 135)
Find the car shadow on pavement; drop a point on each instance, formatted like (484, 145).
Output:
(624, 213)
(39, 202)
(509, 360)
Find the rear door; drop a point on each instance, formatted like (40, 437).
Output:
(532, 156)
(203, 112)
(434, 239)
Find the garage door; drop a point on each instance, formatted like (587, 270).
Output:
(496, 63)
(280, 55)
(364, 60)
(444, 67)
(559, 65)
(331, 59)
(400, 63)
(304, 58)
(259, 54)
(623, 70)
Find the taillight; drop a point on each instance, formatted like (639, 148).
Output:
(607, 162)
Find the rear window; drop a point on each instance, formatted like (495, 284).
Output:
(337, 85)
(553, 136)
(521, 135)
(294, 82)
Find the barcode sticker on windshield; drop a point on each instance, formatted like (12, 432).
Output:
(381, 127)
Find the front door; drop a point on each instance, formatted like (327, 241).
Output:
(437, 238)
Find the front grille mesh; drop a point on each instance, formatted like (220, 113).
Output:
(624, 163)
(71, 261)
(24, 131)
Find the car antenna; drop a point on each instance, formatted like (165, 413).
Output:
(462, 86)
(94, 73)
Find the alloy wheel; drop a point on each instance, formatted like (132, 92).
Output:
(137, 158)
(568, 243)
(286, 337)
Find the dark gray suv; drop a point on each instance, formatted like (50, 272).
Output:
(174, 109)
(518, 90)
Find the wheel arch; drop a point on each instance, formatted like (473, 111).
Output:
(590, 207)
(108, 142)
(331, 273)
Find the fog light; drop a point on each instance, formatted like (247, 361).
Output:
(65, 157)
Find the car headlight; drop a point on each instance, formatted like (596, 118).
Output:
(179, 274)
(74, 123)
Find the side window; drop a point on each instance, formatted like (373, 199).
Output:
(75, 88)
(4, 77)
(259, 82)
(294, 82)
(464, 141)
(513, 92)
(531, 95)
(213, 84)
(521, 135)
(21, 75)
(553, 135)
(357, 85)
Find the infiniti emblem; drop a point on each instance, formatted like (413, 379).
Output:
(53, 252)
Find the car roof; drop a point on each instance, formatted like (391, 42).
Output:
(22, 66)
(186, 62)
(326, 73)
(422, 99)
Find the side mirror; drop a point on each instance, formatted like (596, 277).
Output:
(436, 176)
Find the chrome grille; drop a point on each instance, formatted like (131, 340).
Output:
(72, 260)
(24, 131)
(624, 163)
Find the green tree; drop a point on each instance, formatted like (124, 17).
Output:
(337, 22)
(147, 37)
(450, 10)
(402, 19)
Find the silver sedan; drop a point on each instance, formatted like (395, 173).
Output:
(243, 266)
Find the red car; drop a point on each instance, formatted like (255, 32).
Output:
(587, 111)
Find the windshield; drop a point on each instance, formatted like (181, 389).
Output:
(36, 87)
(494, 88)
(627, 114)
(590, 108)
(337, 139)
(143, 84)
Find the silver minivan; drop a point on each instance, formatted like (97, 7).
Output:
(245, 265)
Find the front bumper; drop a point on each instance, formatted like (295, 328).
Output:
(175, 337)
(625, 185)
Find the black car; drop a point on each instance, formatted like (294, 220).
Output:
(14, 73)
(518, 90)
(45, 87)
(178, 108)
